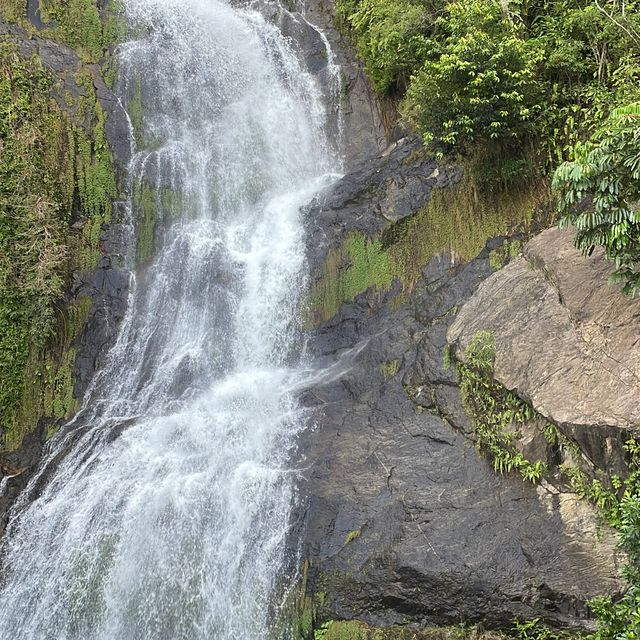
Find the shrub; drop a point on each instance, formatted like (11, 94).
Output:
(390, 37)
(478, 84)
(599, 193)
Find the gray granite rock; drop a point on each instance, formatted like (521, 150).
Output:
(404, 521)
(566, 339)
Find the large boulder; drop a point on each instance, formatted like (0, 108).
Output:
(567, 341)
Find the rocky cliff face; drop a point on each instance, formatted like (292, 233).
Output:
(566, 339)
(405, 520)
(566, 342)
(96, 280)
(366, 124)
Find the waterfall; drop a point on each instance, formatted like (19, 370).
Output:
(161, 511)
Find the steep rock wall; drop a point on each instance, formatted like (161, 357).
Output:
(92, 143)
(405, 520)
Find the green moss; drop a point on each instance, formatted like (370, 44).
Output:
(458, 221)
(56, 169)
(356, 630)
(389, 369)
(508, 251)
(94, 164)
(446, 357)
(36, 190)
(145, 203)
(173, 203)
(352, 535)
(134, 109)
(359, 264)
(114, 30)
(300, 611)
(76, 23)
(153, 208)
(80, 24)
(14, 11)
(342, 630)
(58, 392)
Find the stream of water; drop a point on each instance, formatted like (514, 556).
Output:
(167, 519)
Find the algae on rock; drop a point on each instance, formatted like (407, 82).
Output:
(457, 220)
(57, 182)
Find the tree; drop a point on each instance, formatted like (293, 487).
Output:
(390, 37)
(478, 84)
(599, 193)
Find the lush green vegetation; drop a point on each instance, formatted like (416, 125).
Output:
(76, 23)
(57, 183)
(497, 413)
(508, 251)
(36, 192)
(355, 630)
(620, 620)
(457, 221)
(56, 166)
(515, 88)
(486, 77)
(600, 193)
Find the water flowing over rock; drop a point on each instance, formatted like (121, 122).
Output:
(161, 511)
(220, 446)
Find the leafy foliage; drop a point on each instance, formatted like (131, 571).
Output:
(56, 170)
(496, 411)
(605, 172)
(391, 40)
(478, 82)
(514, 78)
(621, 620)
(36, 191)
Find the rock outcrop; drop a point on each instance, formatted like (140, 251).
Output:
(405, 521)
(97, 287)
(365, 121)
(566, 339)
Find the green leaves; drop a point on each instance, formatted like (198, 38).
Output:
(519, 86)
(599, 193)
(390, 37)
(481, 87)
(620, 620)
(497, 413)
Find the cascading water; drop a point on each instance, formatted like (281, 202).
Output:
(167, 517)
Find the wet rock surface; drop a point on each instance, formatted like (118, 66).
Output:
(363, 116)
(385, 188)
(404, 520)
(108, 288)
(108, 284)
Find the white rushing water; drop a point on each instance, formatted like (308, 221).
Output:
(167, 517)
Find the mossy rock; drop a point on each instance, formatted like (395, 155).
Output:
(356, 630)
(458, 221)
(57, 183)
